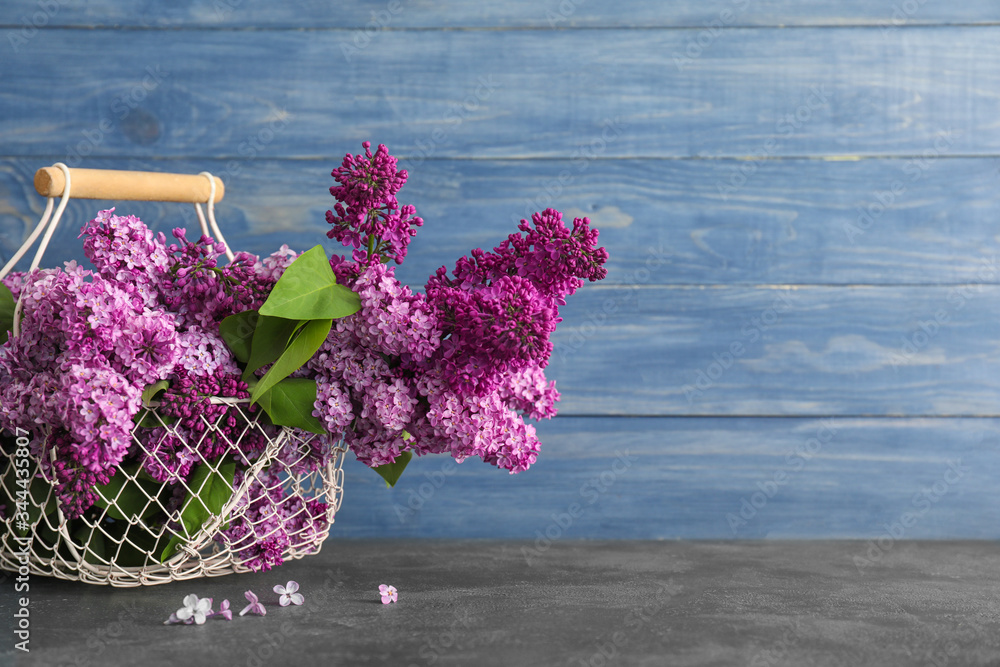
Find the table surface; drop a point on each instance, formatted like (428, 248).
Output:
(562, 603)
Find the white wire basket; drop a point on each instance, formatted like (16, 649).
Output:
(292, 478)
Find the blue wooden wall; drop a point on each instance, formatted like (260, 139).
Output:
(799, 333)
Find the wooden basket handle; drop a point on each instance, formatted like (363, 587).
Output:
(130, 185)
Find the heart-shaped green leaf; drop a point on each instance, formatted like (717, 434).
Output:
(308, 290)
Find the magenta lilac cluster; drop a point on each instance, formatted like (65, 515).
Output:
(454, 369)
(268, 520)
(91, 341)
(367, 216)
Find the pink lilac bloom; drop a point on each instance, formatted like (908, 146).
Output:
(388, 593)
(96, 405)
(392, 319)
(123, 249)
(202, 352)
(273, 266)
(255, 607)
(529, 392)
(147, 348)
(224, 611)
(289, 594)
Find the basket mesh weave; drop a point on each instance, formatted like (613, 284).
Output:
(109, 547)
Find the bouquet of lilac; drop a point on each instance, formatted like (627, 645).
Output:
(149, 388)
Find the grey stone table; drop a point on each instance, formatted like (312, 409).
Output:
(565, 603)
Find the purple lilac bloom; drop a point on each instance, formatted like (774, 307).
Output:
(73, 482)
(124, 250)
(267, 520)
(213, 426)
(367, 216)
(456, 369)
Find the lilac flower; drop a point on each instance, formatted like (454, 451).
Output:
(388, 594)
(224, 611)
(255, 607)
(194, 611)
(288, 594)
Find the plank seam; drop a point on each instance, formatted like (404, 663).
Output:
(912, 25)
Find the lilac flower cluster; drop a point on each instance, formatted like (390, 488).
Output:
(367, 216)
(454, 369)
(76, 371)
(92, 340)
(268, 520)
(202, 293)
(199, 429)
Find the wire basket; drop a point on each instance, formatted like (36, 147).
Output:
(124, 547)
(279, 507)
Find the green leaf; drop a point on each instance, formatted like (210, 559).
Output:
(150, 392)
(145, 417)
(291, 403)
(136, 544)
(149, 418)
(171, 548)
(299, 351)
(237, 331)
(308, 290)
(126, 498)
(7, 305)
(391, 472)
(210, 490)
(92, 538)
(270, 340)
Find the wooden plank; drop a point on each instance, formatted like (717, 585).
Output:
(687, 478)
(663, 221)
(779, 350)
(522, 94)
(383, 14)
